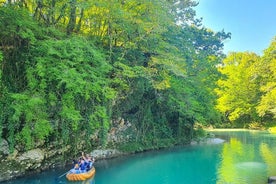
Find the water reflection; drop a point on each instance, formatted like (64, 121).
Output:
(243, 162)
(269, 157)
(88, 181)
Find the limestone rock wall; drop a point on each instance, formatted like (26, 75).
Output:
(18, 164)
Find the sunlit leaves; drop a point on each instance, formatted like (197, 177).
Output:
(239, 88)
(268, 73)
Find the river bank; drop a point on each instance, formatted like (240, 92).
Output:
(245, 157)
(39, 160)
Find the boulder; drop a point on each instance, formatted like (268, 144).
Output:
(214, 141)
(4, 147)
(108, 153)
(271, 180)
(208, 141)
(35, 155)
(31, 159)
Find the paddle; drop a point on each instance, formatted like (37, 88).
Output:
(63, 174)
(57, 178)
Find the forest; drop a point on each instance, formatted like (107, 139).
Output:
(72, 69)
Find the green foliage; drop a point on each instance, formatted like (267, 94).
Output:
(69, 69)
(247, 90)
(1, 57)
(16, 27)
(72, 77)
(267, 71)
(18, 32)
(131, 147)
(1, 97)
(24, 138)
(100, 120)
(255, 126)
(239, 91)
(29, 119)
(199, 50)
(199, 133)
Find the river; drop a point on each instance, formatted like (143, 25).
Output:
(247, 157)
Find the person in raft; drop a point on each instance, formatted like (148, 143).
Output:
(84, 164)
(88, 161)
(76, 167)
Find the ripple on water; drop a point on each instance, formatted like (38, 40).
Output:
(251, 172)
(251, 165)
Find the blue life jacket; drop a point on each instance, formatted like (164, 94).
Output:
(83, 167)
(89, 165)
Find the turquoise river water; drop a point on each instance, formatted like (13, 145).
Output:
(247, 157)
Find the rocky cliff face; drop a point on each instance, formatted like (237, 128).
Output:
(18, 164)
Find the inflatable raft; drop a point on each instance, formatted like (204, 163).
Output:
(81, 176)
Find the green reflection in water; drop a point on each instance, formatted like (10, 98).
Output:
(246, 162)
(269, 157)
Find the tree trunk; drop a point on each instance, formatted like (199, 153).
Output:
(72, 19)
(80, 20)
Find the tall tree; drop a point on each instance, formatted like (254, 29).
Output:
(267, 72)
(238, 90)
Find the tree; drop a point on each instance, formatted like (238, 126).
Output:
(69, 68)
(267, 105)
(238, 90)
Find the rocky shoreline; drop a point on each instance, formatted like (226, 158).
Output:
(18, 163)
(37, 160)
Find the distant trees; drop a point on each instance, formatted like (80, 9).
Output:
(247, 89)
(267, 71)
(239, 87)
